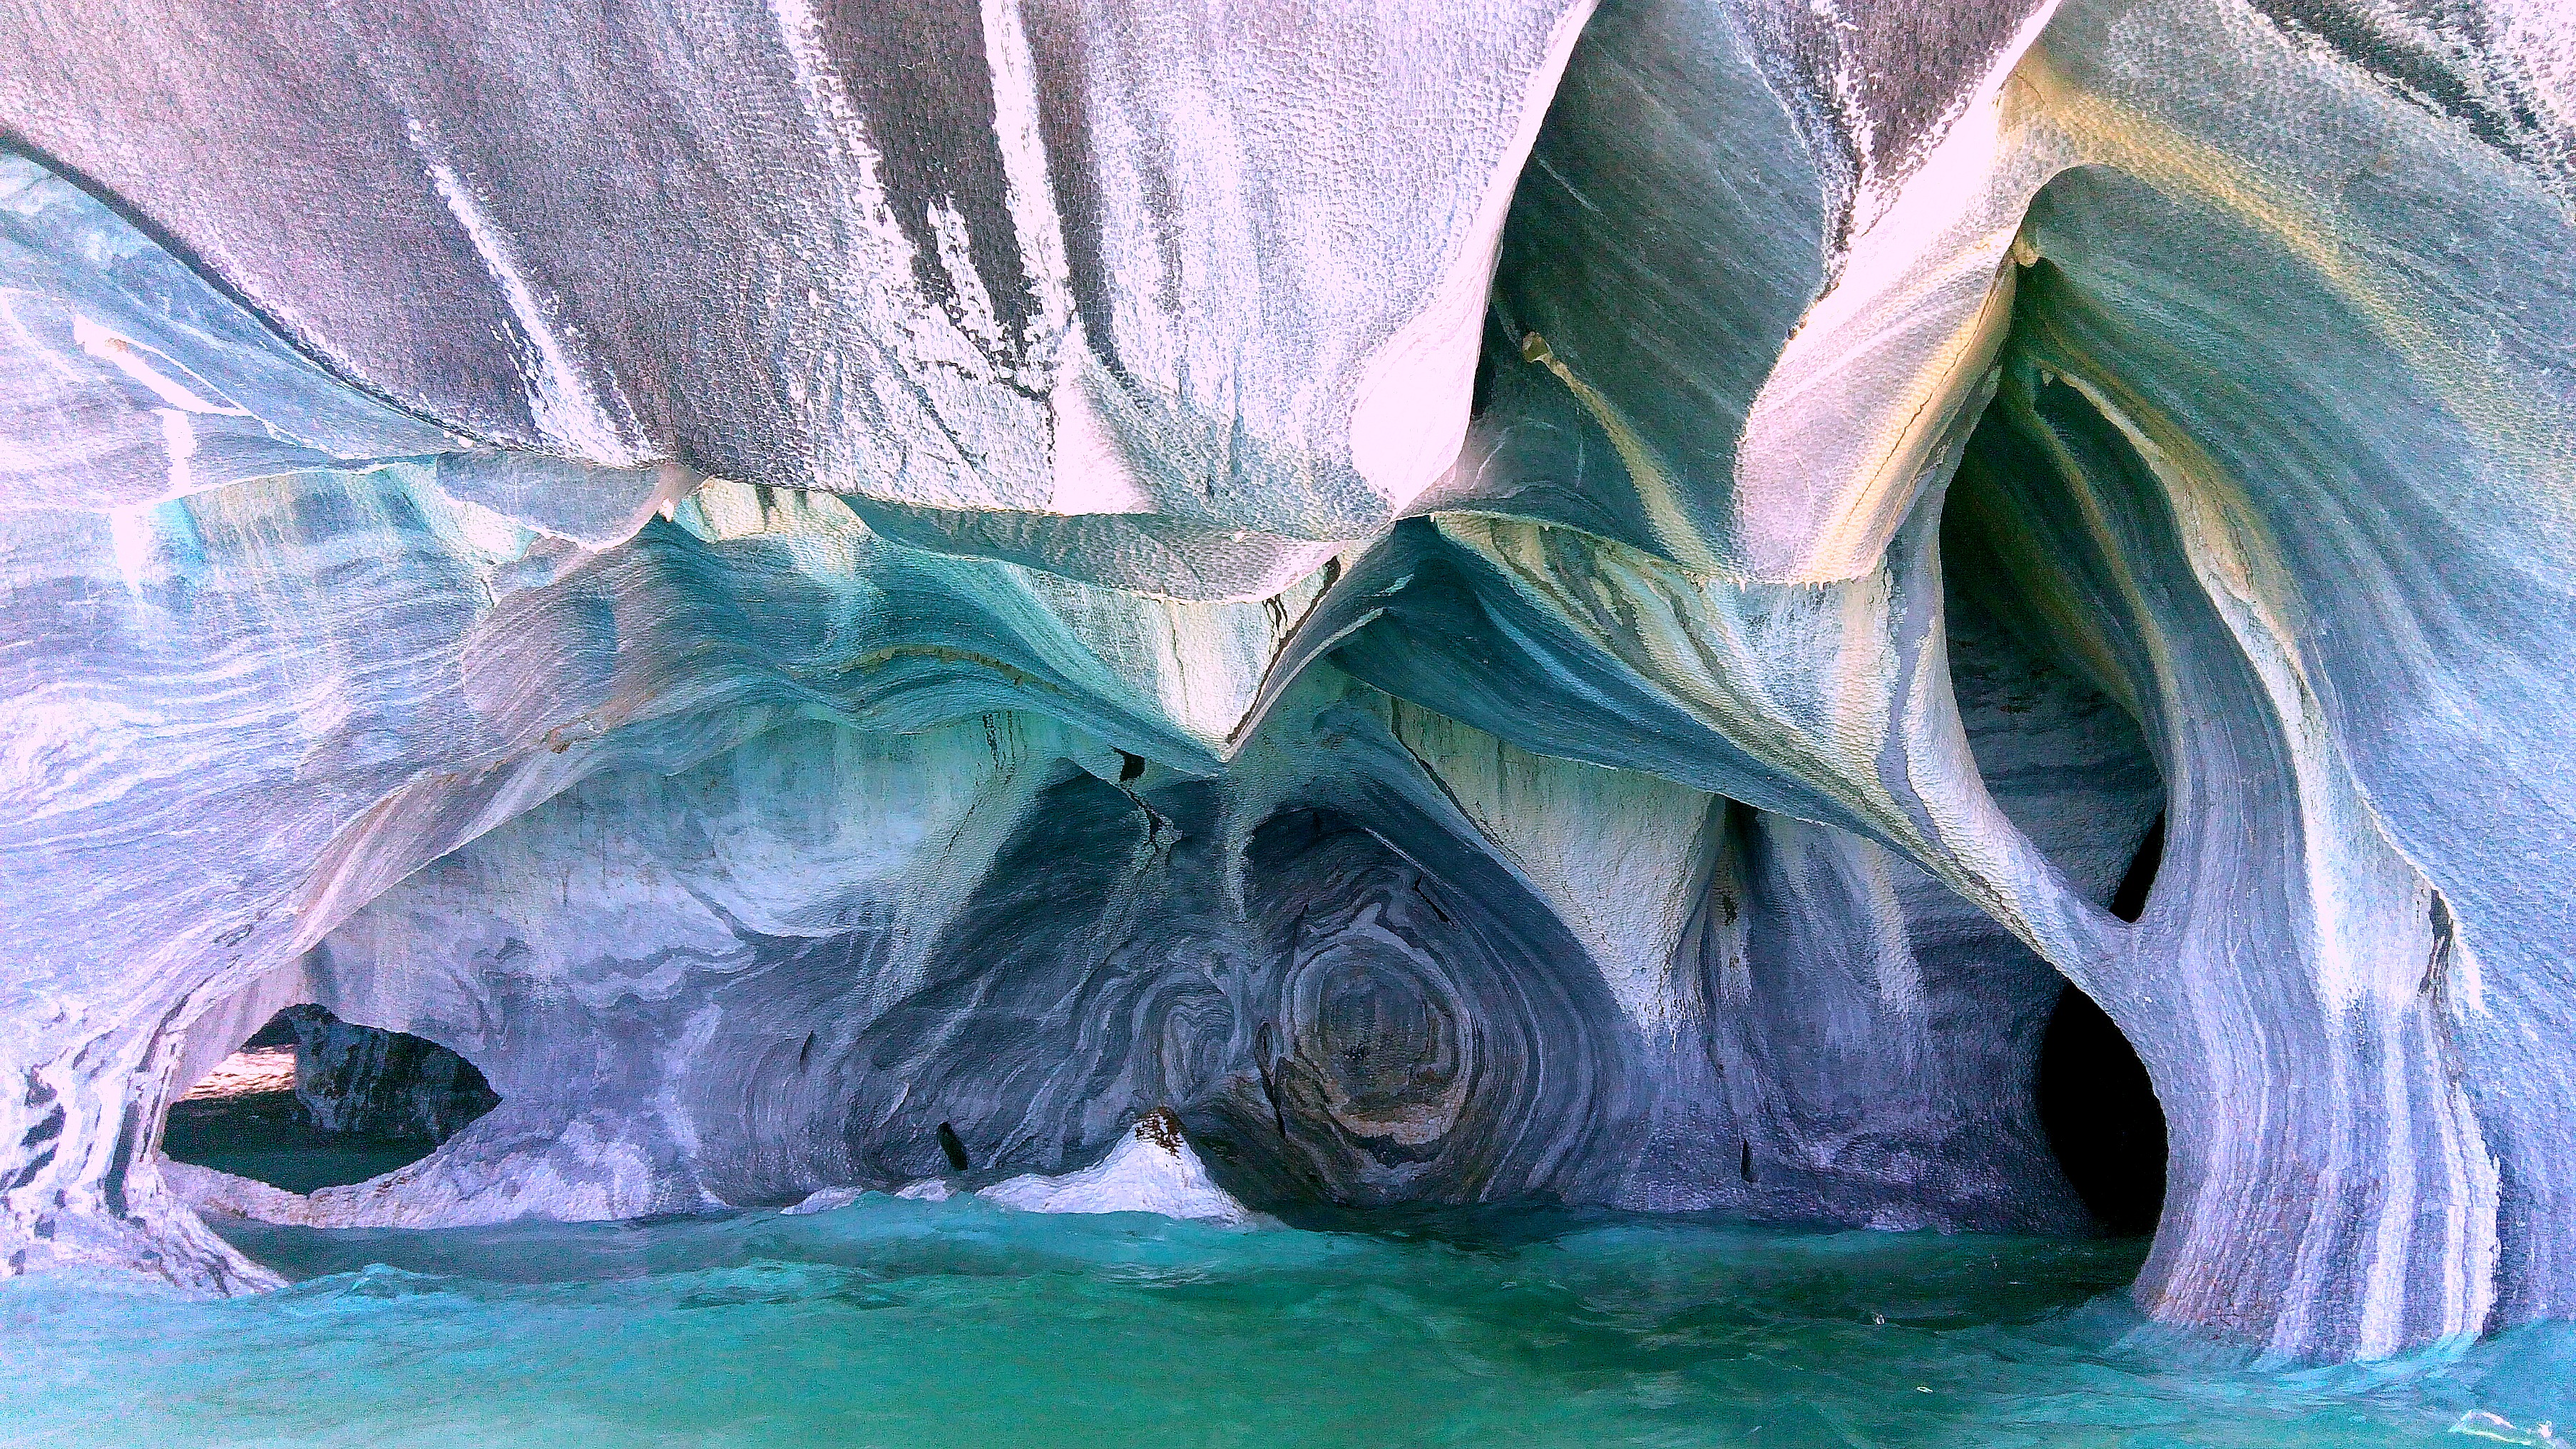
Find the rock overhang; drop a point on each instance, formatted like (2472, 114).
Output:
(1873, 510)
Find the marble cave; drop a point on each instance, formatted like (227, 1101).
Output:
(1293, 648)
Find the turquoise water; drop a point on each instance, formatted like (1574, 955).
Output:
(264, 1135)
(896, 1323)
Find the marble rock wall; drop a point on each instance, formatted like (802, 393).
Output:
(1534, 598)
(792, 967)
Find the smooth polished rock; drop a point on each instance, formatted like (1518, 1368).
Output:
(980, 267)
(1016, 565)
(823, 1200)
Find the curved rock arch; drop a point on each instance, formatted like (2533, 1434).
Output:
(2235, 338)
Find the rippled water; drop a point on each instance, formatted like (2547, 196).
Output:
(896, 1323)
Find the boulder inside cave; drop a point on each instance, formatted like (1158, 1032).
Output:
(312, 1101)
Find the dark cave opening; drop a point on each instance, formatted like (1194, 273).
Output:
(2095, 1101)
(2130, 901)
(2047, 682)
(2102, 1118)
(312, 1101)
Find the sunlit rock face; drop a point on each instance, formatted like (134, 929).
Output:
(1478, 603)
(1176, 302)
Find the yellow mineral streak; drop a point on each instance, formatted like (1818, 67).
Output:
(1656, 492)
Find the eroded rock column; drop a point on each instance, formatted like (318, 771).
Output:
(2289, 984)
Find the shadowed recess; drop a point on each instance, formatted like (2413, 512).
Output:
(2095, 1101)
(1431, 1033)
(2102, 1118)
(313, 1101)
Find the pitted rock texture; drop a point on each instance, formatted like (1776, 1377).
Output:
(1490, 601)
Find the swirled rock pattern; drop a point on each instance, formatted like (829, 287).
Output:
(1520, 600)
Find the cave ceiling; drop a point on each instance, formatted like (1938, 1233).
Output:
(1479, 601)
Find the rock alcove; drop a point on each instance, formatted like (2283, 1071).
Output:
(1591, 604)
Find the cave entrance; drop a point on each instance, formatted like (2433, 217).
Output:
(2055, 695)
(313, 1101)
(2101, 1117)
(2095, 1102)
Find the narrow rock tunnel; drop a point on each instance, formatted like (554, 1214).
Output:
(2102, 1118)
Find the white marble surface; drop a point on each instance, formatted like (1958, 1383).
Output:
(780, 616)
(1152, 1169)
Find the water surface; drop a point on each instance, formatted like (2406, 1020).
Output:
(901, 1324)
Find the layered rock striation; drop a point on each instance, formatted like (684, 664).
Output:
(1481, 604)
